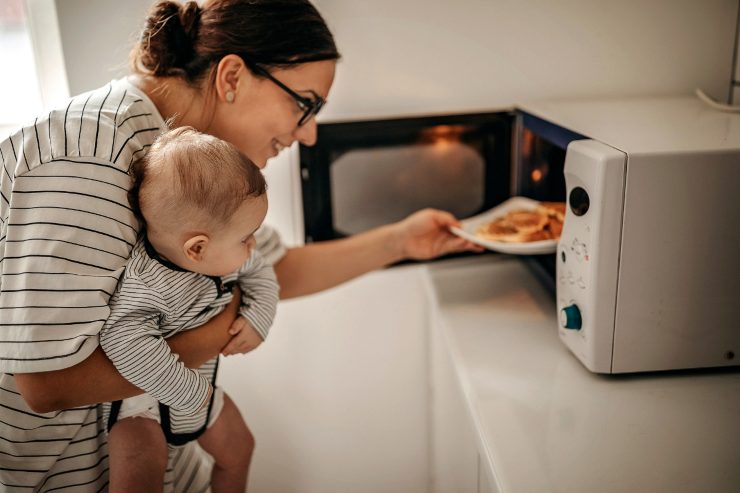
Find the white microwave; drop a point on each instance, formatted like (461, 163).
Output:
(648, 265)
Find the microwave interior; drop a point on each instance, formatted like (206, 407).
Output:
(364, 174)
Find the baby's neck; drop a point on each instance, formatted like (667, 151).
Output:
(166, 249)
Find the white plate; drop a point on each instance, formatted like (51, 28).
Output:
(470, 225)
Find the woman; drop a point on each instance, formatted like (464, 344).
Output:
(254, 73)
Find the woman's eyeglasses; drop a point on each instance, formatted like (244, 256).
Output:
(310, 107)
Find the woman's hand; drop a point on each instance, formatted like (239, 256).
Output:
(425, 235)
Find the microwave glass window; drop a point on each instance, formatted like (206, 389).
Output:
(364, 174)
(541, 168)
(375, 186)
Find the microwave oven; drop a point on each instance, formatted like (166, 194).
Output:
(647, 272)
(648, 264)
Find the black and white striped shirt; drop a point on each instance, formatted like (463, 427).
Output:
(67, 228)
(156, 299)
(66, 232)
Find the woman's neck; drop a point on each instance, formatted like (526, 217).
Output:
(177, 102)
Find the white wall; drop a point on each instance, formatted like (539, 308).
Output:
(337, 395)
(425, 56)
(97, 37)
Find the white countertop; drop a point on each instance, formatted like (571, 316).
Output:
(545, 423)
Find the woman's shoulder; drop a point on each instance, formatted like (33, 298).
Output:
(111, 125)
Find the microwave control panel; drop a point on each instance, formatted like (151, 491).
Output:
(588, 251)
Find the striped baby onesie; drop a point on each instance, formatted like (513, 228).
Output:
(156, 299)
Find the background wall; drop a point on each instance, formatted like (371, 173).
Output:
(337, 395)
(97, 37)
(423, 56)
(437, 56)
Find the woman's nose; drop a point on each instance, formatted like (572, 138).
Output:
(306, 133)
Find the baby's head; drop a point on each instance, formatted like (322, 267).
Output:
(201, 201)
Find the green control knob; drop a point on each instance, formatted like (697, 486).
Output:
(570, 317)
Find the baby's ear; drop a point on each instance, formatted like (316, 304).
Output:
(195, 247)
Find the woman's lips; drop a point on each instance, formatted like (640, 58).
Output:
(277, 147)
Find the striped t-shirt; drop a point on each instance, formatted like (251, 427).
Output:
(156, 299)
(66, 232)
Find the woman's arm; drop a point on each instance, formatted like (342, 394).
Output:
(318, 266)
(96, 379)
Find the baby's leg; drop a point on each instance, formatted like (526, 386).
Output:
(230, 443)
(137, 454)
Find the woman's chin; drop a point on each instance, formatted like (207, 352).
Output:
(262, 161)
(267, 161)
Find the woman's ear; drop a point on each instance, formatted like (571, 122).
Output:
(194, 248)
(229, 74)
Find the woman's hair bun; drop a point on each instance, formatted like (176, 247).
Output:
(189, 17)
(186, 41)
(168, 39)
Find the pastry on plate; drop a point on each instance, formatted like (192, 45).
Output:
(545, 222)
(553, 209)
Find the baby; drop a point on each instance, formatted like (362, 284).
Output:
(201, 202)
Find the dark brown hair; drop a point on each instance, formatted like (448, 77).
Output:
(188, 41)
(189, 176)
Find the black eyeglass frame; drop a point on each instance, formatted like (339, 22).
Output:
(311, 107)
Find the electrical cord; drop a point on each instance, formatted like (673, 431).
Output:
(712, 103)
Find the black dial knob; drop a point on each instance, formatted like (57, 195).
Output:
(579, 201)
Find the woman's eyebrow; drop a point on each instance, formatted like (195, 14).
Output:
(311, 91)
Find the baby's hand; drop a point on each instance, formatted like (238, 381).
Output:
(244, 339)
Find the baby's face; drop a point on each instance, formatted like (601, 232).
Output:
(233, 244)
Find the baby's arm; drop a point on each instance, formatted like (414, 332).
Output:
(132, 340)
(260, 292)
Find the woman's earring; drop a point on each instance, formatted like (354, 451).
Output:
(230, 96)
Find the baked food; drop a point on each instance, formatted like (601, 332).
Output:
(556, 209)
(545, 222)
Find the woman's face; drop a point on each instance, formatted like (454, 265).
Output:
(263, 118)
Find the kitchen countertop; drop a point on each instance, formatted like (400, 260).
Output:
(545, 423)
